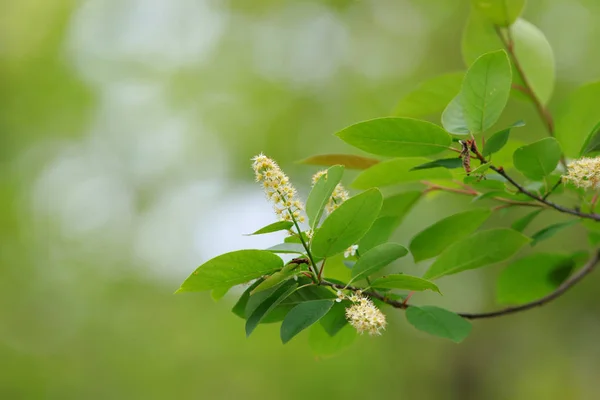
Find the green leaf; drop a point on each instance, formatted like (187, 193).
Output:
(269, 305)
(550, 231)
(485, 90)
(397, 137)
(321, 193)
(377, 258)
(287, 248)
(231, 269)
(335, 319)
(274, 227)
(522, 223)
(538, 159)
(449, 163)
(347, 224)
(324, 345)
(404, 282)
(439, 322)
(592, 143)
(576, 117)
(276, 278)
(392, 213)
(239, 308)
(218, 293)
(453, 117)
(500, 12)
(476, 251)
(349, 161)
(436, 238)
(302, 316)
(531, 47)
(430, 97)
(533, 277)
(496, 142)
(395, 171)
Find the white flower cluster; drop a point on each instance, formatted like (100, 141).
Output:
(363, 315)
(338, 196)
(351, 251)
(278, 188)
(584, 173)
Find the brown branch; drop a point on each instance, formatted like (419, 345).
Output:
(562, 289)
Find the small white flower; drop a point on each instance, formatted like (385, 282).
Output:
(364, 316)
(338, 196)
(584, 173)
(351, 251)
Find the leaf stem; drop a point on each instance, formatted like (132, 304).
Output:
(313, 266)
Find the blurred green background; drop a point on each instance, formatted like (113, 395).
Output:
(127, 127)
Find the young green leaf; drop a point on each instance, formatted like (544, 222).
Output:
(287, 248)
(532, 49)
(538, 159)
(274, 227)
(430, 97)
(533, 277)
(439, 322)
(324, 345)
(392, 213)
(349, 161)
(551, 230)
(575, 118)
(269, 305)
(485, 90)
(404, 282)
(476, 251)
(277, 277)
(377, 258)
(500, 12)
(449, 163)
(396, 137)
(453, 117)
(231, 269)
(496, 142)
(522, 223)
(395, 171)
(436, 238)
(347, 224)
(239, 308)
(592, 143)
(321, 193)
(335, 319)
(302, 316)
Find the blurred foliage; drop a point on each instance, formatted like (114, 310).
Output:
(127, 129)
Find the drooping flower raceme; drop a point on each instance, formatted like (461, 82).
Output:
(278, 188)
(364, 316)
(584, 173)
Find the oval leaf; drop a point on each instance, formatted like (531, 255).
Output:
(485, 90)
(231, 269)
(395, 171)
(538, 159)
(302, 316)
(576, 117)
(287, 248)
(535, 54)
(453, 117)
(377, 258)
(550, 231)
(274, 227)
(436, 238)
(347, 224)
(532, 277)
(321, 193)
(396, 137)
(476, 251)
(449, 163)
(431, 96)
(404, 282)
(439, 322)
(498, 140)
(269, 305)
(522, 223)
(349, 161)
